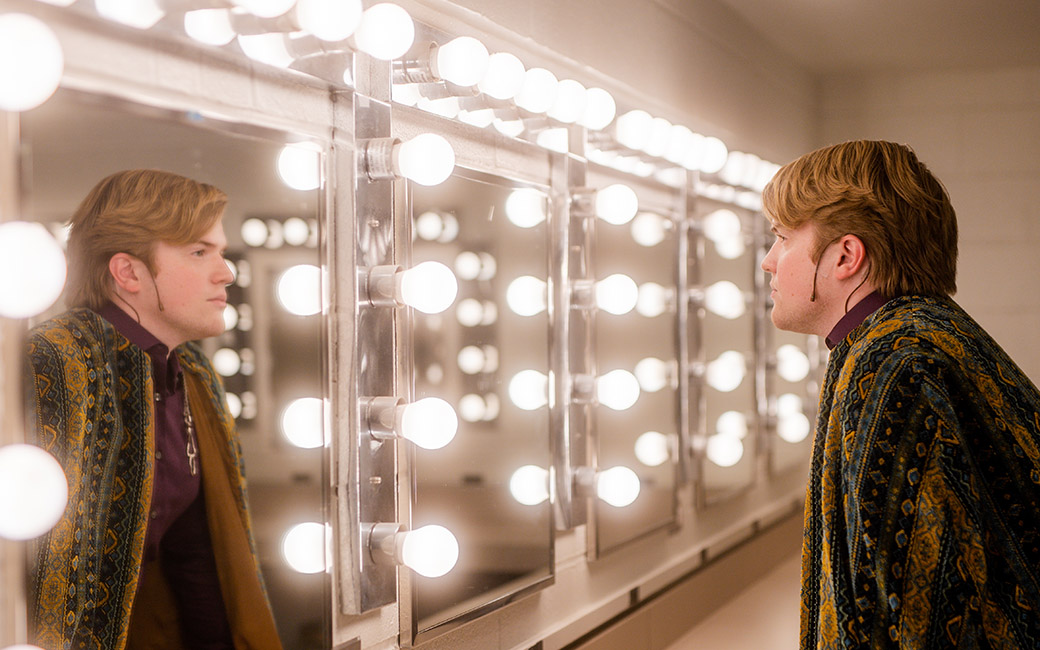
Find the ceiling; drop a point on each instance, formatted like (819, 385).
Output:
(828, 36)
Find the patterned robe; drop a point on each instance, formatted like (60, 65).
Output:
(922, 522)
(91, 392)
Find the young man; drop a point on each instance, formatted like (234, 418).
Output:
(155, 549)
(922, 519)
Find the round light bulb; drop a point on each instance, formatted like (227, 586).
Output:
(714, 155)
(791, 363)
(538, 92)
(430, 423)
(329, 20)
(529, 390)
(467, 265)
(299, 166)
(265, 8)
(305, 546)
(721, 224)
(527, 295)
(385, 32)
(25, 245)
(652, 374)
(267, 48)
(303, 422)
(299, 289)
(653, 299)
(529, 485)
(427, 159)
(512, 128)
(724, 450)
(570, 102)
(209, 26)
(254, 232)
(616, 204)
(679, 141)
(727, 371)
(480, 118)
(462, 61)
(31, 62)
(430, 551)
(653, 448)
(617, 390)
(230, 317)
(730, 249)
(725, 299)
(617, 294)
(732, 423)
(633, 129)
(429, 287)
(504, 77)
(658, 137)
(296, 231)
(788, 403)
(553, 140)
(617, 486)
(600, 109)
(227, 362)
(793, 427)
(526, 207)
(471, 359)
(142, 14)
(649, 229)
(33, 491)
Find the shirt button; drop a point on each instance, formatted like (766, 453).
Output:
(155, 514)
(158, 455)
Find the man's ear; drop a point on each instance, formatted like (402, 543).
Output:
(852, 257)
(126, 271)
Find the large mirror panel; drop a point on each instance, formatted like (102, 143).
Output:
(270, 355)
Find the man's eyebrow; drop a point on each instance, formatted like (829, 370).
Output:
(210, 244)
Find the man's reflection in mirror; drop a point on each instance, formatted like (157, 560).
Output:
(155, 549)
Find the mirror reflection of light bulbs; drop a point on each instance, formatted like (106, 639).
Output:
(680, 139)
(254, 232)
(657, 141)
(462, 61)
(788, 403)
(617, 389)
(385, 32)
(512, 128)
(305, 546)
(792, 427)
(649, 229)
(472, 407)
(142, 14)
(617, 486)
(553, 140)
(267, 48)
(732, 423)
(299, 166)
(431, 423)
(427, 159)
(527, 295)
(725, 299)
(526, 207)
(303, 423)
(616, 204)
(470, 312)
(480, 118)
(299, 289)
(724, 450)
(633, 129)
(529, 485)
(230, 315)
(726, 372)
(429, 287)
(296, 231)
(730, 249)
(227, 362)
(600, 109)
(653, 374)
(617, 294)
(265, 8)
(791, 363)
(570, 102)
(653, 299)
(234, 404)
(504, 77)
(471, 359)
(33, 491)
(653, 448)
(529, 390)
(538, 91)
(209, 26)
(467, 265)
(721, 224)
(430, 551)
(714, 155)
(329, 20)
(31, 62)
(25, 245)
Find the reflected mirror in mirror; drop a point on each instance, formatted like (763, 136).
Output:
(794, 391)
(487, 355)
(270, 356)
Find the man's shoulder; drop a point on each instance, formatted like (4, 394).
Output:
(80, 326)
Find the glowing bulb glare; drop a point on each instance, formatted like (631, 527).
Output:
(303, 423)
(298, 165)
(305, 546)
(427, 159)
(31, 62)
(430, 551)
(617, 390)
(617, 294)
(529, 485)
(33, 492)
(616, 204)
(430, 423)
(504, 77)
(299, 289)
(429, 287)
(462, 61)
(385, 32)
(618, 486)
(329, 20)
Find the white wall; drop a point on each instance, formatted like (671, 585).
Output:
(979, 132)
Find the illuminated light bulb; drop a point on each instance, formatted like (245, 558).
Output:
(529, 390)
(570, 102)
(633, 129)
(512, 128)
(427, 159)
(407, 94)
(724, 450)
(385, 32)
(617, 390)
(653, 299)
(529, 485)
(450, 229)
(31, 62)
(527, 295)
(490, 313)
(480, 118)
(471, 359)
(296, 231)
(733, 171)
(142, 14)
(467, 265)
(274, 234)
(727, 371)
(234, 404)
(791, 363)
(254, 232)
(721, 224)
(230, 315)
(303, 423)
(429, 225)
(649, 229)
(526, 207)
(553, 140)
(299, 289)
(725, 299)
(793, 427)
(299, 166)
(714, 155)
(694, 152)
(430, 423)
(265, 8)
(653, 448)
(430, 551)
(462, 61)
(227, 362)
(788, 403)
(448, 107)
(732, 423)
(616, 204)
(680, 139)
(652, 374)
(25, 245)
(329, 20)
(504, 77)
(209, 26)
(266, 48)
(470, 312)
(472, 407)
(600, 109)
(490, 358)
(538, 92)
(429, 287)
(766, 171)
(617, 294)
(494, 406)
(33, 492)
(618, 486)
(305, 545)
(730, 249)
(750, 171)
(657, 140)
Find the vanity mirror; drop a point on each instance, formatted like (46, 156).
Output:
(270, 355)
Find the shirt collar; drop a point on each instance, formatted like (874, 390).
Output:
(167, 369)
(854, 318)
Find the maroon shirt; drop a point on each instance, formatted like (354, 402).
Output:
(854, 317)
(177, 528)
